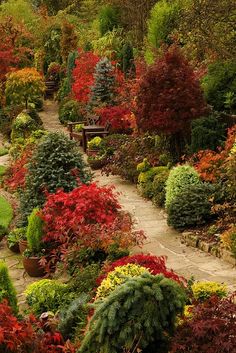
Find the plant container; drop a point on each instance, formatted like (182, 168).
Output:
(33, 267)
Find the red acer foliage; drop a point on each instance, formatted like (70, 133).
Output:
(66, 214)
(155, 264)
(211, 328)
(169, 96)
(15, 176)
(83, 75)
(120, 118)
(211, 165)
(15, 336)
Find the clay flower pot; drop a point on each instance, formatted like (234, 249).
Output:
(14, 248)
(33, 267)
(23, 244)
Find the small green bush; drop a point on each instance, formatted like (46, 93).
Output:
(207, 133)
(204, 290)
(179, 178)
(47, 295)
(7, 290)
(70, 111)
(23, 126)
(6, 214)
(74, 317)
(145, 180)
(15, 236)
(159, 187)
(190, 207)
(3, 151)
(34, 231)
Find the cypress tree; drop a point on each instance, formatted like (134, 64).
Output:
(7, 290)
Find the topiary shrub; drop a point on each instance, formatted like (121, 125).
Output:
(180, 177)
(140, 315)
(70, 111)
(204, 290)
(207, 133)
(190, 207)
(56, 163)
(118, 276)
(46, 295)
(7, 290)
(23, 126)
(159, 187)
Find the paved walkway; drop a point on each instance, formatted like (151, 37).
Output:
(161, 239)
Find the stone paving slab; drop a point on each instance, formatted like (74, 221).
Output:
(163, 240)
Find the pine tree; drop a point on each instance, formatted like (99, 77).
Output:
(139, 313)
(104, 85)
(7, 290)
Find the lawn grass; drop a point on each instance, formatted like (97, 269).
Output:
(3, 151)
(6, 214)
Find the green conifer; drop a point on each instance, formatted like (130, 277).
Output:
(104, 86)
(7, 290)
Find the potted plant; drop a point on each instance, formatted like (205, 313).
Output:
(14, 238)
(34, 252)
(94, 146)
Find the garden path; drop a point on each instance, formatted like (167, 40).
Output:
(161, 239)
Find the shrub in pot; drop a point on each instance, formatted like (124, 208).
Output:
(33, 253)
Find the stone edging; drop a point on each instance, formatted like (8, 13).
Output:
(214, 249)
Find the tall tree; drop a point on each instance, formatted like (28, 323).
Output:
(68, 40)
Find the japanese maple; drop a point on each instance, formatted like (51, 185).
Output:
(120, 118)
(169, 96)
(155, 264)
(66, 214)
(211, 328)
(83, 75)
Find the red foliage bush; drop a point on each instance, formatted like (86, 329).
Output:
(21, 336)
(211, 328)
(16, 173)
(15, 336)
(66, 215)
(120, 118)
(211, 165)
(169, 96)
(83, 75)
(155, 264)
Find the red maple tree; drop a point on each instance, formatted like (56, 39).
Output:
(169, 95)
(83, 75)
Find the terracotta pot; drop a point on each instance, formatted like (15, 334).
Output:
(91, 152)
(32, 266)
(23, 245)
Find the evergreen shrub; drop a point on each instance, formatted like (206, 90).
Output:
(34, 231)
(190, 207)
(159, 187)
(139, 313)
(73, 318)
(145, 180)
(7, 290)
(180, 177)
(46, 295)
(70, 111)
(207, 133)
(56, 164)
